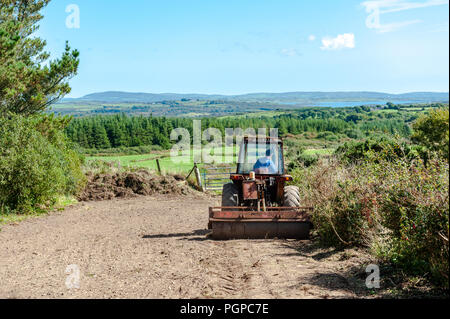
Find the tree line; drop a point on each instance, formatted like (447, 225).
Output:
(120, 130)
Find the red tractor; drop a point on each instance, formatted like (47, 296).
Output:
(257, 204)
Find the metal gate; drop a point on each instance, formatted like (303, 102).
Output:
(215, 177)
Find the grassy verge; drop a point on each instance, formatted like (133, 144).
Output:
(17, 217)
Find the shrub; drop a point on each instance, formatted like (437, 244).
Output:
(353, 133)
(375, 149)
(329, 136)
(432, 131)
(342, 201)
(400, 208)
(37, 164)
(414, 205)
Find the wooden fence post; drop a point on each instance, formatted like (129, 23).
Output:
(158, 165)
(199, 178)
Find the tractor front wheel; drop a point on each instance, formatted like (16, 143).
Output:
(230, 195)
(291, 196)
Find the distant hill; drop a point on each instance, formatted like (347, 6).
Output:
(127, 97)
(290, 97)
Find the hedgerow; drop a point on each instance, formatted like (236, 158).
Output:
(397, 207)
(37, 163)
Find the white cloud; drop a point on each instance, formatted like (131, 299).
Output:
(375, 8)
(342, 41)
(312, 37)
(290, 52)
(401, 5)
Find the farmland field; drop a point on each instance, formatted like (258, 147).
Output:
(181, 164)
(148, 161)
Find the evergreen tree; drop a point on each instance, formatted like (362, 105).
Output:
(27, 84)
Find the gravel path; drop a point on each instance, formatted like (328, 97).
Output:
(156, 247)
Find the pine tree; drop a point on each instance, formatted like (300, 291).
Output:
(27, 85)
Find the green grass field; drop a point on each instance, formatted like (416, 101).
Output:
(126, 160)
(182, 164)
(148, 161)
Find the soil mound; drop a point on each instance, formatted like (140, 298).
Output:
(131, 184)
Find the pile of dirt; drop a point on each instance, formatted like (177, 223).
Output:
(131, 184)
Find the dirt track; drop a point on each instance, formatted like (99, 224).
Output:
(156, 247)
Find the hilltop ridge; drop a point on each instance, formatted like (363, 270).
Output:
(288, 97)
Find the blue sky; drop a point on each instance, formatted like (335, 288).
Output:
(245, 46)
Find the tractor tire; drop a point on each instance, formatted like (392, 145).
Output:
(291, 196)
(230, 195)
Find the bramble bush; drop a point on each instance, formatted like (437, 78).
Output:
(382, 147)
(413, 203)
(303, 160)
(37, 163)
(396, 206)
(342, 201)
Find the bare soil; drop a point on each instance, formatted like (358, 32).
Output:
(157, 247)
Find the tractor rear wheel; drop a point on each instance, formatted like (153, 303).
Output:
(291, 196)
(230, 195)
